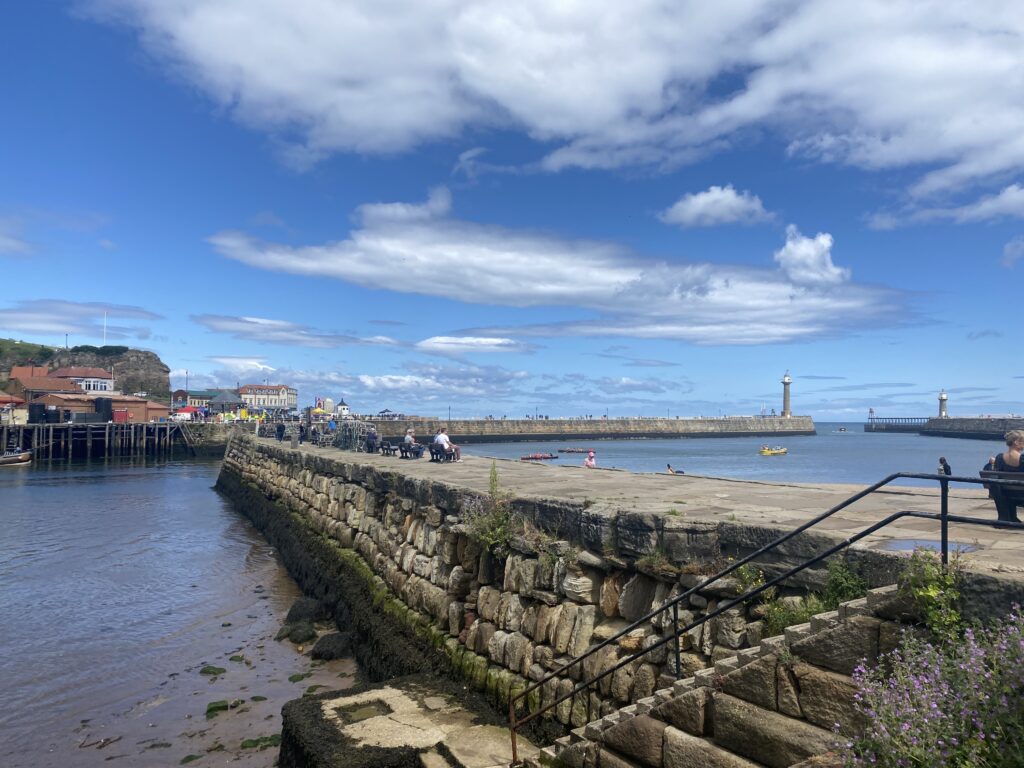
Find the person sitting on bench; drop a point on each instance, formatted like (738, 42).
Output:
(413, 448)
(445, 442)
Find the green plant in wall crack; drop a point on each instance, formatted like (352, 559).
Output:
(489, 518)
(935, 589)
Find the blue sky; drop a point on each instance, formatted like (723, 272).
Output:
(563, 208)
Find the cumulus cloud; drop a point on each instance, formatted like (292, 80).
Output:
(931, 85)
(809, 260)
(1013, 251)
(268, 331)
(715, 206)
(417, 249)
(57, 317)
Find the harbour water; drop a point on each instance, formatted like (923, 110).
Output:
(831, 456)
(118, 584)
(120, 581)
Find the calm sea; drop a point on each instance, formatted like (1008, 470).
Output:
(118, 581)
(831, 456)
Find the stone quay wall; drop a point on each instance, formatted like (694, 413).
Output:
(973, 429)
(504, 622)
(508, 430)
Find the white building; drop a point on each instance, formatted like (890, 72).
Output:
(343, 409)
(87, 379)
(269, 396)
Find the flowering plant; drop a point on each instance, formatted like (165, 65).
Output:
(958, 704)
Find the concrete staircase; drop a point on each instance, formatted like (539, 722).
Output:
(786, 702)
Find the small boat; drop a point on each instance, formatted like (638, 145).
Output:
(777, 450)
(14, 458)
(840, 431)
(538, 456)
(574, 450)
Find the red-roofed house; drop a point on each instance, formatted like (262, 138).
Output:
(87, 379)
(30, 387)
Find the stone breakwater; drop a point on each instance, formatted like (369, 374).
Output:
(395, 553)
(508, 430)
(972, 429)
(388, 545)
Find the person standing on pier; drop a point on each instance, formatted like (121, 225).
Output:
(944, 468)
(590, 462)
(279, 430)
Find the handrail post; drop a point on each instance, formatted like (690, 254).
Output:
(512, 727)
(944, 519)
(675, 635)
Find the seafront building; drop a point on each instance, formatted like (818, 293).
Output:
(269, 396)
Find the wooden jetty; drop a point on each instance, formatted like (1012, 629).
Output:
(64, 442)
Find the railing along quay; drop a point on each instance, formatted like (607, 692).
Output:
(943, 518)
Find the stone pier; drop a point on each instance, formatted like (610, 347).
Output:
(391, 545)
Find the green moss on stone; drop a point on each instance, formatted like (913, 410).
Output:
(188, 759)
(263, 742)
(299, 677)
(212, 671)
(214, 707)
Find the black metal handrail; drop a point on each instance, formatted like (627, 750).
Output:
(943, 517)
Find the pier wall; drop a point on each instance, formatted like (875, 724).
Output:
(567, 430)
(570, 578)
(972, 429)
(400, 559)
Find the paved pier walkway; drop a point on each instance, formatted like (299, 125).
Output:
(784, 505)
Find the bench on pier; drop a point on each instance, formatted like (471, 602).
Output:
(439, 453)
(387, 448)
(410, 450)
(1006, 497)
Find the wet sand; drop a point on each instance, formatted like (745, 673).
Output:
(118, 584)
(171, 725)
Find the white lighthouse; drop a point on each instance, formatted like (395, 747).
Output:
(943, 400)
(786, 381)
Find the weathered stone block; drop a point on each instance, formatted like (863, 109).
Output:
(563, 630)
(687, 712)
(496, 646)
(608, 759)
(768, 737)
(756, 682)
(787, 695)
(681, 750)
(509, 613)
(487, 602)
(583, 628)
(582, 585)
(611, 589)
(826, 698)
(459, 583)
(843, 647)
(731, 628)
(455, 613)
(636, 597)
(640, 738)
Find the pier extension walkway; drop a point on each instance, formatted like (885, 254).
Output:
(717, 500)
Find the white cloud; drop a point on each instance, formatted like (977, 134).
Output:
(460, 345)
(878, 84)
(11, 242)
(397, 248)
(57, 317)
(1007, 203)
(809, 261)
(268, 331)
(1013, 251)
(715, 206)
(241, 365)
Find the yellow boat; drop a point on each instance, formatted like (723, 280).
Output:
(778, 450)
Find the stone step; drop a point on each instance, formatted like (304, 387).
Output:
(797, 633)
(858, 607)
(824, 621)
(434, 759)
(876, 597)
